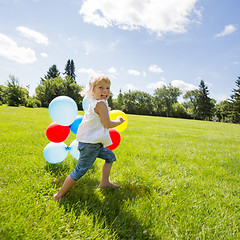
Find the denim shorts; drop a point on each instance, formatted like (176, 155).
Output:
(88, 154)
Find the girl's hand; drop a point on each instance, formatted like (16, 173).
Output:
(120, 119)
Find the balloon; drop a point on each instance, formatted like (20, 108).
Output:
(115, 137)
(74, 126)
(74, 149)
(63, 110)
(85, 103)
(55, 152)
(113, 116)
(57, 133)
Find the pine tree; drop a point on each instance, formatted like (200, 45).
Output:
(204, 103)
(120, 100)
(235, 99)
(70, 70)
(53, 72)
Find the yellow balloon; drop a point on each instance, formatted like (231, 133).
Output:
(113, 116)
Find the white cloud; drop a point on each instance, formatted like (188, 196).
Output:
(134, 72)
(89, 71)
(154, 68)
(160, 17)
(183, 86)
(44, 55)
(219, 96)
(11, 50)
(130, 86)
(156, 85)
(229, 29)
(32, 34)
(112, 71)
(209, 84)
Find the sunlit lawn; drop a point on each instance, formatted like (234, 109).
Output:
(179, 180)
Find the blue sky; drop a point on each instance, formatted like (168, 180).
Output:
(140, 44)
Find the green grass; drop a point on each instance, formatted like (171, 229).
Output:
(179, 180)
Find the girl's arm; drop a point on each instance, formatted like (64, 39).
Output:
(102, 111)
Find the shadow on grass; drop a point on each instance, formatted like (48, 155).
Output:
(63, 168)
(57, 169)
(109, 207)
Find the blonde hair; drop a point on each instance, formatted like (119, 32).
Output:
(93, 81)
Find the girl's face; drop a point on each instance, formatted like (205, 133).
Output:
(101, 91)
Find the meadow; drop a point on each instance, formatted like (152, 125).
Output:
(179, 180)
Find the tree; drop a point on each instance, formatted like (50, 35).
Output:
(33, 102)
(53, 72)
(73, 90)
(204, 103)
(110, 101)
(179, 111)
(70, 70)
(138, 102)
(144, 103)
(48, 89)
(191, 105)
(3, 94)
(223, 111)
(16, 94)
(50, 86)
(53, 85)
(119, 104)
(235, 99)
(129, 102)
(164, 98)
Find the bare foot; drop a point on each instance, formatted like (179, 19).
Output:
(108, 185)
(56, 197)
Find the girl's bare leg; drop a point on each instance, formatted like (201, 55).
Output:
(105, 177)
(67, 185)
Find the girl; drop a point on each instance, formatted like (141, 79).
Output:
(93, 135)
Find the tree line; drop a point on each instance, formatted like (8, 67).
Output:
(164, 101)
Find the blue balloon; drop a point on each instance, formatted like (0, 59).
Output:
(74, 149)
(85, 103)
(74, 126)
(55, 152)
(63, 110)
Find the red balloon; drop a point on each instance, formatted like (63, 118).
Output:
(115, 137)
(57, 133)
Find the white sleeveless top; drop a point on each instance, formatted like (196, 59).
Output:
(91, 129)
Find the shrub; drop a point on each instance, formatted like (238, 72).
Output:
(32, 102)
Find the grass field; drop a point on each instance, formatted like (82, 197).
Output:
(180, 179)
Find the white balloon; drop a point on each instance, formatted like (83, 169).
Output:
(55, 152)
(74, 149)
(85, 103)
(63, 110)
